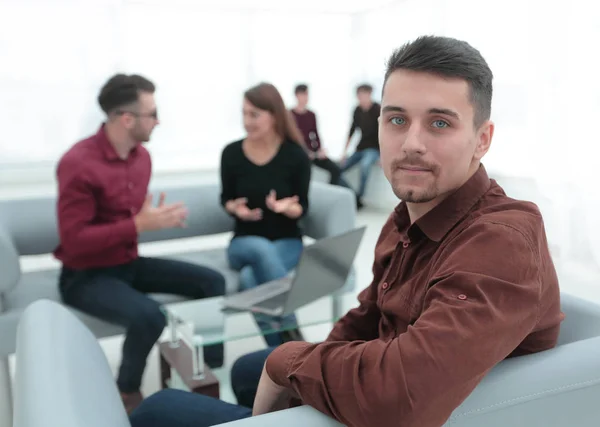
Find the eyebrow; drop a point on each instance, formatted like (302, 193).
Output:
(444, 111)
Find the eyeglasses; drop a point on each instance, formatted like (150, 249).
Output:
(153, 114)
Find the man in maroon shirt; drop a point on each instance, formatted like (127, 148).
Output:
(462, 276)
(103, 205)
(307, 123)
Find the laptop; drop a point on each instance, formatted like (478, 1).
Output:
(323, 268)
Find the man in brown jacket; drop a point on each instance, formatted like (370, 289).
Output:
(462, 277)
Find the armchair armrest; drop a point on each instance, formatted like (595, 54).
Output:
(9, 262)
(296, 417)
(332, 211)
(62, 377)
(558, 387)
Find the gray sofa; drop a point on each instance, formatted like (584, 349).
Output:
(56, 386)
(28, 227)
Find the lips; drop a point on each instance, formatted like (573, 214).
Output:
(412, 168)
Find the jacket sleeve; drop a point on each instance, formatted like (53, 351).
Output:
(227, 177)
(301, 180)
(76, 210)
(476, 312)
(317, 130)
(354, 124)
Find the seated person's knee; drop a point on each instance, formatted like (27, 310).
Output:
(149, 319)
(219, 285)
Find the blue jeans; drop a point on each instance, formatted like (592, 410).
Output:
(260, 260)
(176, 408)
(366, 159)
(118, 295)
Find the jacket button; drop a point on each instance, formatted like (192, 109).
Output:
(385, 285)
(405, 244)
(462, 297)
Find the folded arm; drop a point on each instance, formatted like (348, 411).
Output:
(475, 314)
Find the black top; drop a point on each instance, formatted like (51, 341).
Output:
(288, 173)
(367, 122)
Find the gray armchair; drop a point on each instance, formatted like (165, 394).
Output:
(28, 227)
(63, 379)
(555, 388)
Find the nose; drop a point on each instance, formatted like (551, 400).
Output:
(414, 141)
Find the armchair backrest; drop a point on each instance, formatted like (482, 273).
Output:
(62, 375)
(582, 319)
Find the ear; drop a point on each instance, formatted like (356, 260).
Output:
(127, 120)
(484, 139)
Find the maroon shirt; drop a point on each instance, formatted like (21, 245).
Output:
(98, 196)
(307, 122)
(467, 285)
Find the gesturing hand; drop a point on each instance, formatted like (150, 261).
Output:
(281, 205)
(163, 216)
(239, 208)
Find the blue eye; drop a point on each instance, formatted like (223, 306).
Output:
(440, 124)
(397, 120)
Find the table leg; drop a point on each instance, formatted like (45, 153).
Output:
(180, 359)
(165, 371)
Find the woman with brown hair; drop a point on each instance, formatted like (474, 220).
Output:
(264, 182)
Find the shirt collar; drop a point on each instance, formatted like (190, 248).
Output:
(107, 148)
(436, 223)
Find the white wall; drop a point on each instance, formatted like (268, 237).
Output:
(544, 57)
(55, 54)
(202, 55)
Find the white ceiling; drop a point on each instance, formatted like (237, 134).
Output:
(325, 6)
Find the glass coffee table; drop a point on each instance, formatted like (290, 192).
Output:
(195, 324)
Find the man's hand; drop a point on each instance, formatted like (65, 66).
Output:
(321, 154)
(271, 397)
(281, 205)
(239, 208)
(163, 216)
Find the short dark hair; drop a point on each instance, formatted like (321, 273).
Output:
(121, 90)
(365, 87)
(301, 88)
(452, 58)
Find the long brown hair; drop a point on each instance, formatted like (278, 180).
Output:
(266, 97)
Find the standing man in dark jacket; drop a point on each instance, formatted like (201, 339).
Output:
(365, 118)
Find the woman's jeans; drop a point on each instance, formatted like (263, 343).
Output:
(260, 260)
